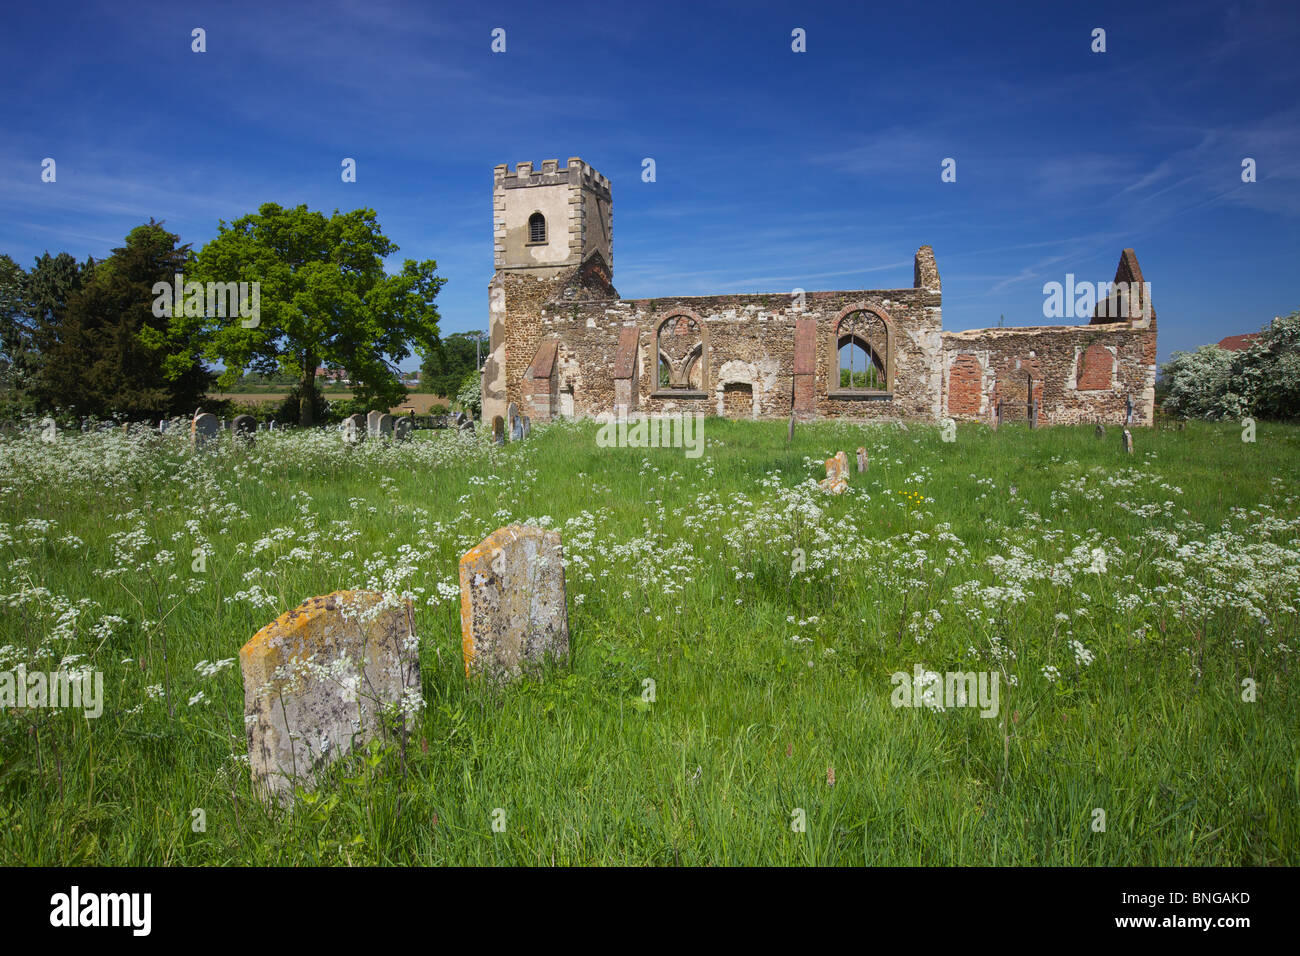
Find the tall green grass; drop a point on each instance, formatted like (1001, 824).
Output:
(747, 725)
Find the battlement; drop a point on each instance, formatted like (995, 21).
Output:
(551, 173)
(549, 219)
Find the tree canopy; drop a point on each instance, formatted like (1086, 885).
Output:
(103, 349)
(1262, 380)
(324, 300)
(446, 365)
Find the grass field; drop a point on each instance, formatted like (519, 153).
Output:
(1130, 606)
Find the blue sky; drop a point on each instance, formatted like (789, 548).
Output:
(775, 169)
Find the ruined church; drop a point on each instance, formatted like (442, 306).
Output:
(562, 342)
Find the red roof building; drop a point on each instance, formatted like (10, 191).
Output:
(1238, 343)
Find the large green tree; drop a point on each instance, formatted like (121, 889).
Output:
(324, 300)
(106, 349)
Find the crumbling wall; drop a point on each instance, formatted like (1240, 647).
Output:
(1118, 363)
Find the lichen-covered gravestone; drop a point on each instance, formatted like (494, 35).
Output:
(203, 430)
(837, 468)
(317, 683)
(513, 610)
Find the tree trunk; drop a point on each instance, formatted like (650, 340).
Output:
(307, 390)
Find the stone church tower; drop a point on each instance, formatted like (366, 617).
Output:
(545, 222)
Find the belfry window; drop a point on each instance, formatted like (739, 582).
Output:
(537, 227)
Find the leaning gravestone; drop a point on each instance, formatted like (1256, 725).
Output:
(354, 428)
(203, 430)
(402, 429)
(372, 423)
(513, 610)
(385, 425)
(317, 681)
(498, 431)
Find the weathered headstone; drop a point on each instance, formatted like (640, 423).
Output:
(862, 461)
(385, 424)
(402, 429)
(1128, 441)
(317, 682)
(517, 429)
(837, 468)
(372, 423)
(354, 428)
(528, 426)
(789, 437)
(244, 426)
(1100, 430)
(513, 610)
(498, 430)
(512, 412)
(203, 430)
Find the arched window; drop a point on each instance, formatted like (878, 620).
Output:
(537, 227)
(862, 350)
(680, 343)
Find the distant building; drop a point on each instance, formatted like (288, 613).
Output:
(1238, 343)
(333, 375)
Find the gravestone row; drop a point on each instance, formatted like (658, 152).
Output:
(342, 669)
